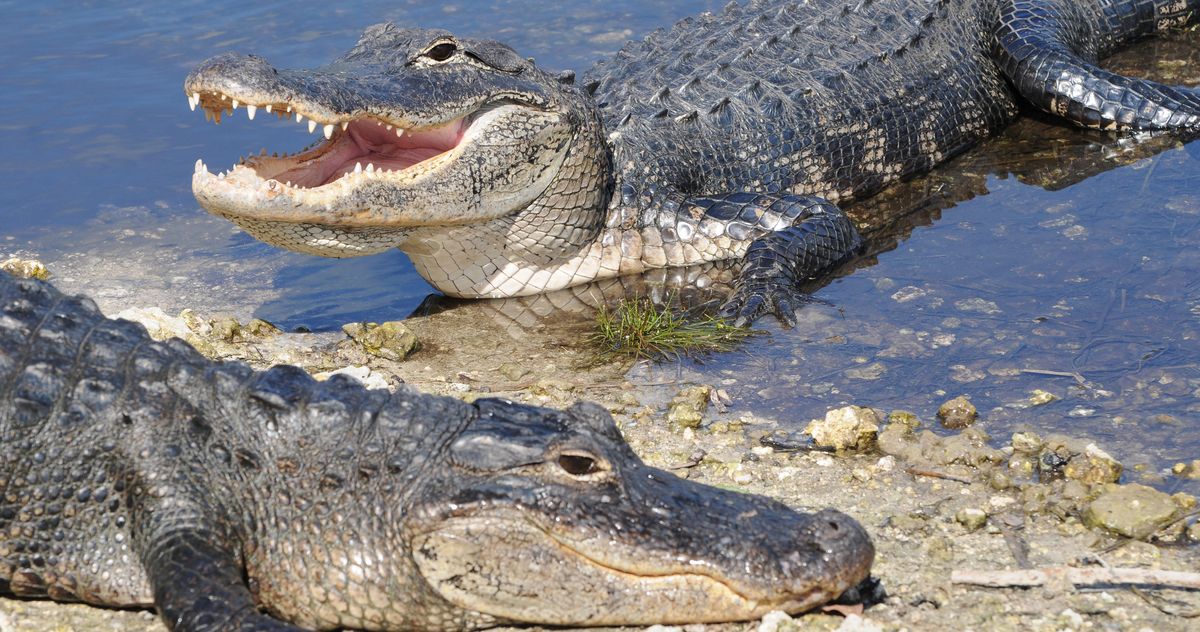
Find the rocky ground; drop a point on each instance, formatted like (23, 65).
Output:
(936, 503)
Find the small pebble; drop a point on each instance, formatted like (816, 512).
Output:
(971, 518)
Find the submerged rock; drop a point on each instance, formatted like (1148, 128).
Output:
(1134, 511)
(1189, 471)
(957, 413)
(1040, 398)
(849, 428)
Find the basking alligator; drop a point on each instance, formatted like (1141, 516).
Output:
(137, 473)
(729, 136)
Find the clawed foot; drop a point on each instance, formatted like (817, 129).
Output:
(751, 300)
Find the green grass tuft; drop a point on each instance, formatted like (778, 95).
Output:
(640, 329)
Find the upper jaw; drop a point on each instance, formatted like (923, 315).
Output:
(329, 95)
(381, 129)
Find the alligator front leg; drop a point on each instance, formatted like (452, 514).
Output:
(1049, 50)
(199, 586)
(799, 237)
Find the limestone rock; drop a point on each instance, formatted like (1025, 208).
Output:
(25, 268)
(158, 324)
(849, 428)
(971, 518)
(1027, 442)
(392, 340)
(1135, 511)
(369, 378)
(1077, 459)
(687, 409)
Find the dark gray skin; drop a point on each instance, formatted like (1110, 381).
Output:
(138, 473)
(727, 137)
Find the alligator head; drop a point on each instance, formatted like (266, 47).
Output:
(422, 131)
(548, 517)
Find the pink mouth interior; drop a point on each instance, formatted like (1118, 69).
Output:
(366, 142)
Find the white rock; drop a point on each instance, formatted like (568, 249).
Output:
(369, 378)
(158, 324)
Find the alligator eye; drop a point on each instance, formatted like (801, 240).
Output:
(578, 464)
(441, 52)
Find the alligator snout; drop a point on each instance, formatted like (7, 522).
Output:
(838, 533)
(845, 543)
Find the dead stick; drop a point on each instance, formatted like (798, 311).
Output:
(1076, 375)
(1078, 576)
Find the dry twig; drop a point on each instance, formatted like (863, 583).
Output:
(1078, 577)
(933, 474)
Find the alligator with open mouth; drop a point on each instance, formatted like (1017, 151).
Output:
(728, 136)
(139, 473)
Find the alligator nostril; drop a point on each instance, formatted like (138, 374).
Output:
(835, 526)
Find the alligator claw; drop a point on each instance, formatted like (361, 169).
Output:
(750, 301)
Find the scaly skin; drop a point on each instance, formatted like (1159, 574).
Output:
(729, 136)
(138, 473)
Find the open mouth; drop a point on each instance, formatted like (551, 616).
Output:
(361, 147)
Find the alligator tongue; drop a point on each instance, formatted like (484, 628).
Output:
(366, 142)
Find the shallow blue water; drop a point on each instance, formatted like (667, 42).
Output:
(1098, 279)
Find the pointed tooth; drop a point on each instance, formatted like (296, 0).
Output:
(345, 124)
(370, 167)
(199, 165)
(289, 108)
(224, 97)
(191, 104)
(268, 108)
(235, 104)
(399, 132)
(328, 129)
(389, 127)
(299, 117)
(251, 110)
(358, 167)
(312, 125)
